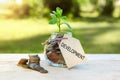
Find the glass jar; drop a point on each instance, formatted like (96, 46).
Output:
(52, 52)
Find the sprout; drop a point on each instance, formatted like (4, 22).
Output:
(57, 18)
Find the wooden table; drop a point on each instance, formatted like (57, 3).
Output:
(98, 67)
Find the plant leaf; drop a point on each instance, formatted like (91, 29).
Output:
(59, 11)
(70, 28)
(53, 12)
(64, 17)
(52, 15)
(53, 21)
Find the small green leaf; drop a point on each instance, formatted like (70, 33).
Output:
(53, 21)
(54, 12)
(64, 17)
(70, 28)
(59, 11)
(52, 15)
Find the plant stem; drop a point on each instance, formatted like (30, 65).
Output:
(59, 25)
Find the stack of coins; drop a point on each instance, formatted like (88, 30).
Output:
(52, 50)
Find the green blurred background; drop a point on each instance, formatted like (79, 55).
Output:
(24, 24)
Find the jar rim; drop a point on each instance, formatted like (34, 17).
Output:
(61, 33)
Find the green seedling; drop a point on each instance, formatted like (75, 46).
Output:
(57, 18)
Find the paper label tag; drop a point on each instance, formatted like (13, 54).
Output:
(72, 51)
